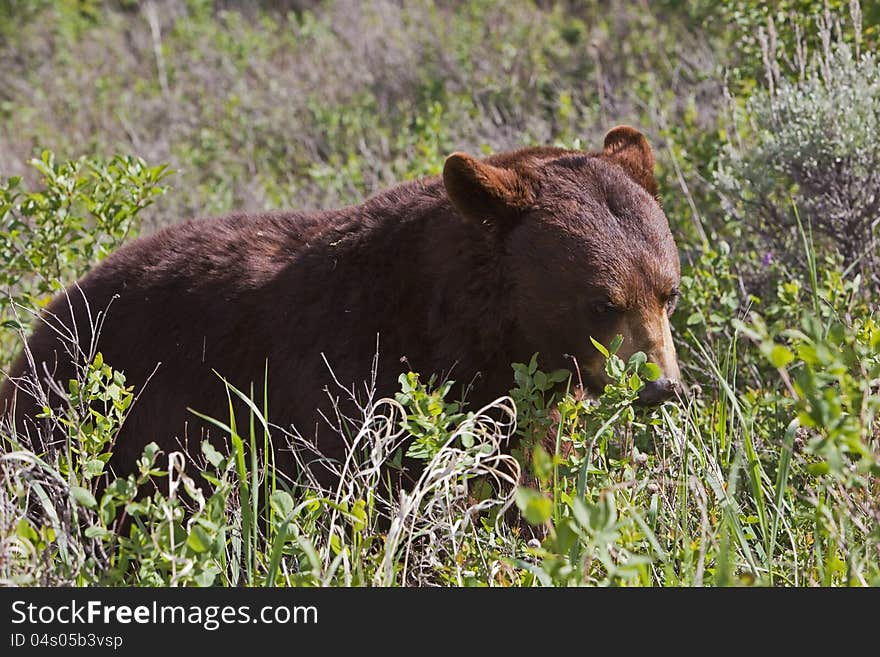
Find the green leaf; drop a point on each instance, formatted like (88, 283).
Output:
(214, 457)
(92, 468)
(614, 367)
(821, 468)
(558, 376)
(694, 318)
(780, 356)
(83, 497)
(615, 343)
(542, 464)
(359, 513)
(435, 407)
(535, 506)
(637, 360)
(521, 376)
(98, 532)
(25, 531)
(533, 363)
(198, 540)
(602, 350)
(651, 371)
(541, 381)
(207, 576)
(149, 455)
(481, 490)
(581, 512)
(282, 503)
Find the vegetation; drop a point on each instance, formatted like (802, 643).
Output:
(766, 473)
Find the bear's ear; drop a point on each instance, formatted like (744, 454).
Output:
(482, 192)
(628, 147)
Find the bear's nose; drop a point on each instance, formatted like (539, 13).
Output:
(656, 392)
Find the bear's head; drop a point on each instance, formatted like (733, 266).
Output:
(586, 251)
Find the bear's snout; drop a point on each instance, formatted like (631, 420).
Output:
(657, 392)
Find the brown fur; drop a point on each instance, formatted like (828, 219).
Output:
(535, 250)
(631, 150)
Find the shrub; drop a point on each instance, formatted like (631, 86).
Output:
(799, 151)
(49, 237)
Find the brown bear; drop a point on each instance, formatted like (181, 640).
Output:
(529, 251)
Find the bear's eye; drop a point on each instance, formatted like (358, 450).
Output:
(672, 300)
(605, 307)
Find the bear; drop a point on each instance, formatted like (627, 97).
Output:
(461, 274)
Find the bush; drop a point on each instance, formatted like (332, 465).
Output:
(49, 237)
(800, 152)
